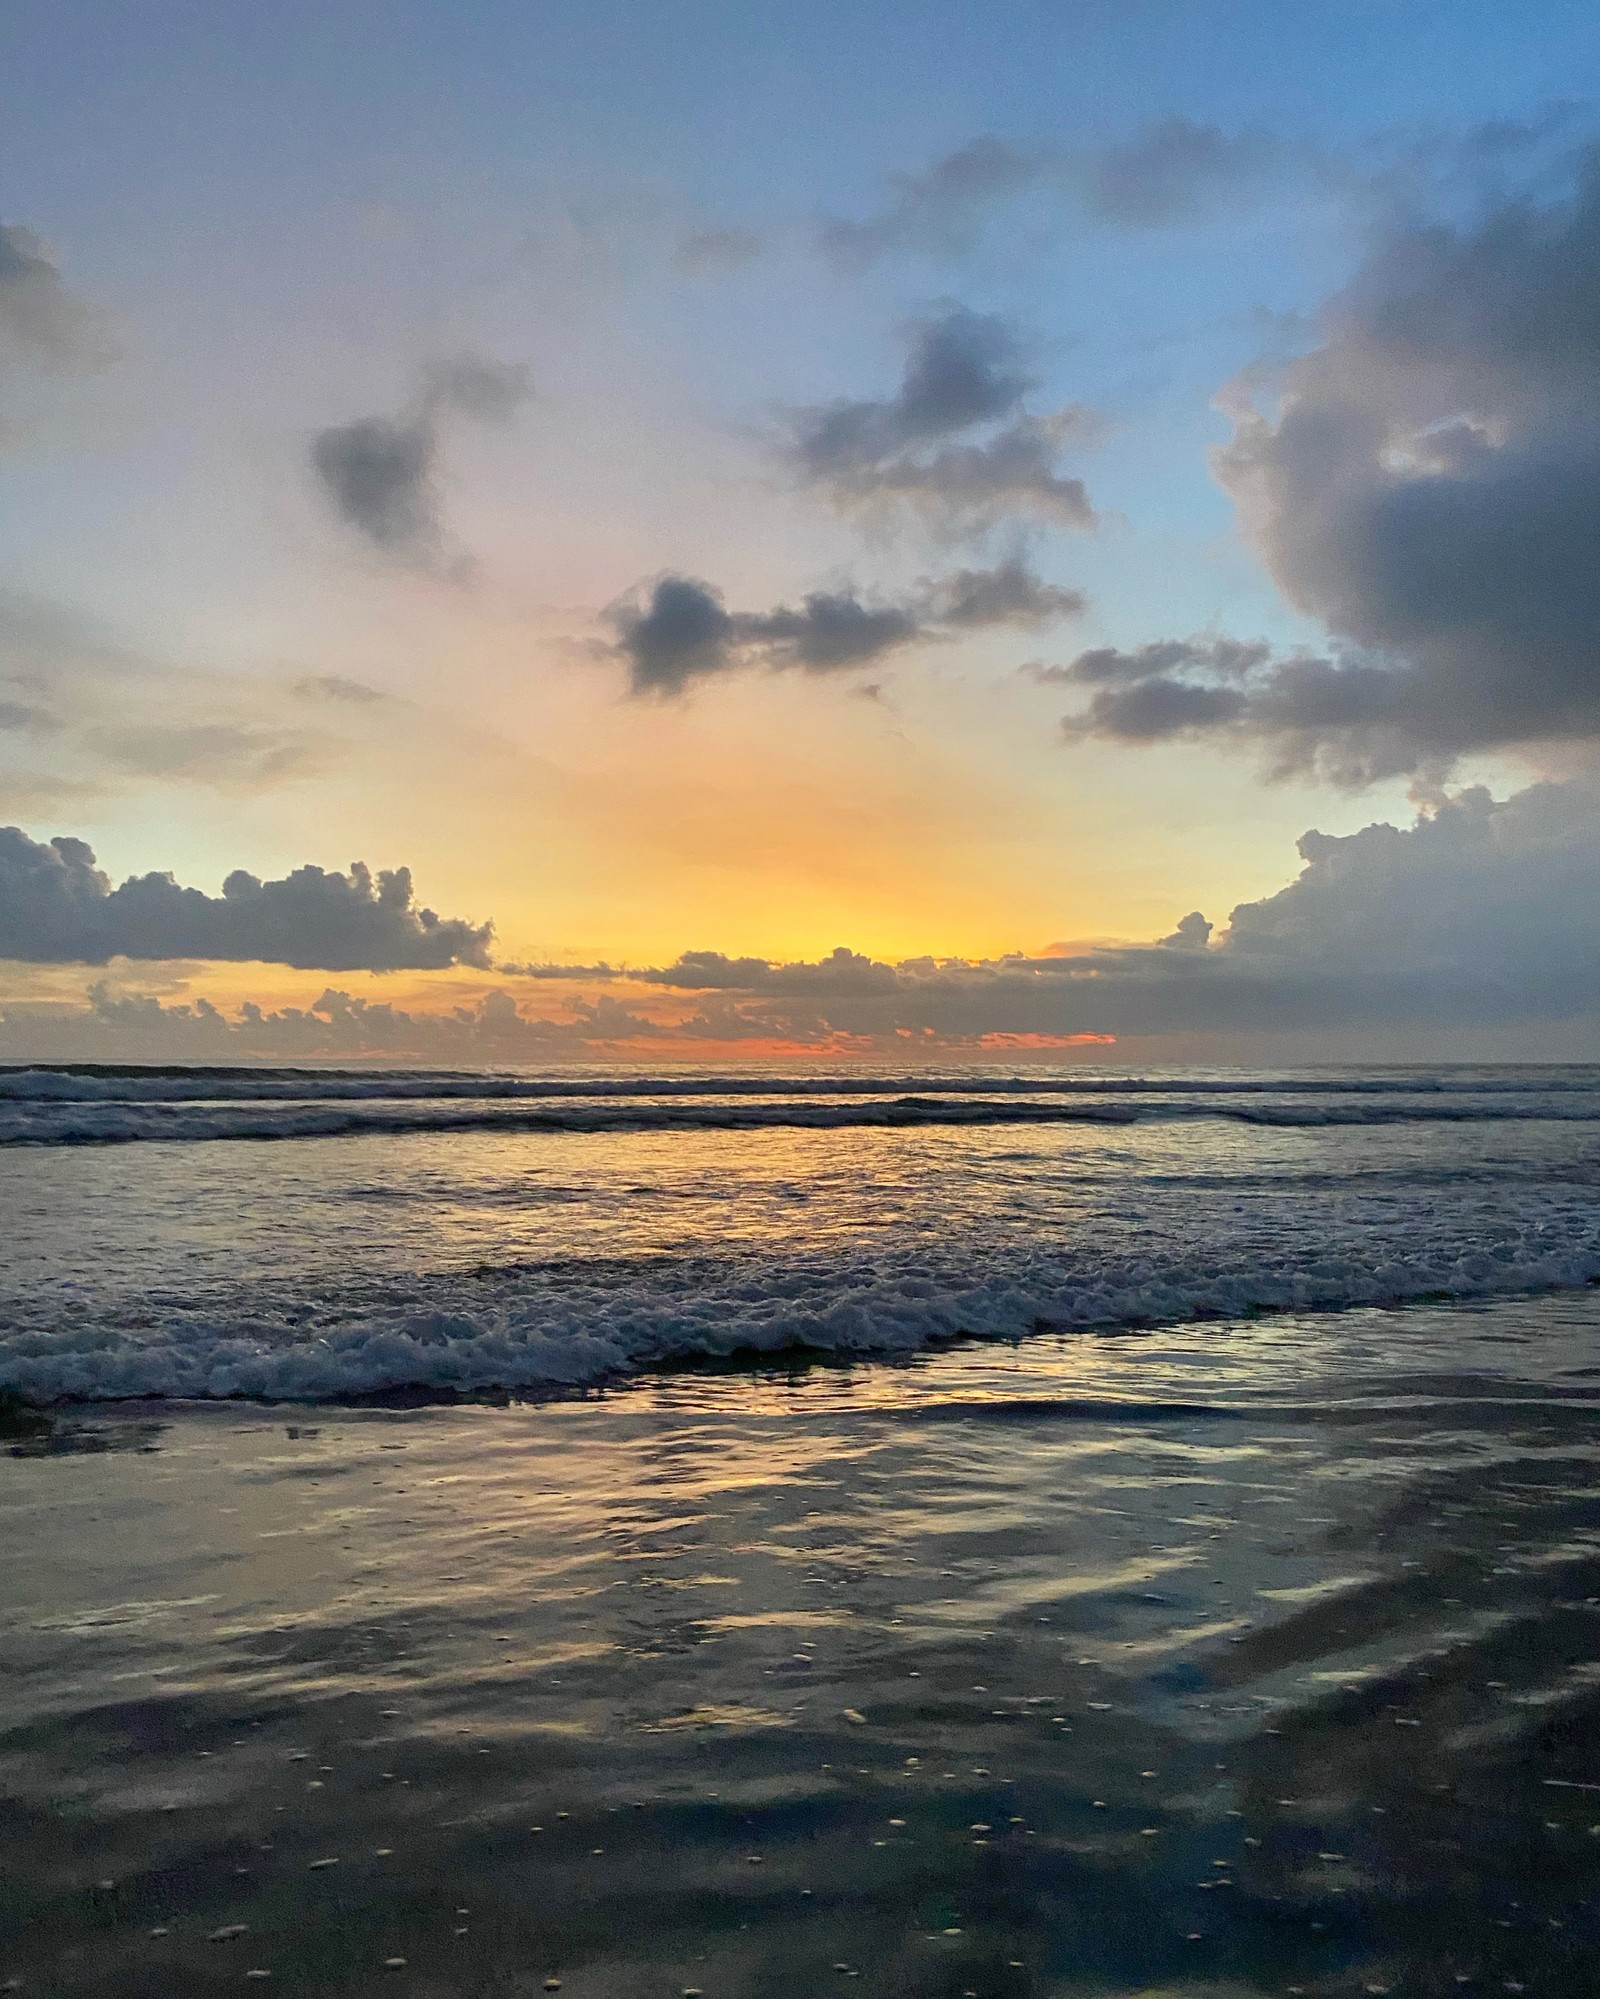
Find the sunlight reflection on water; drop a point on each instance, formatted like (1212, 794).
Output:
(1227, 1658)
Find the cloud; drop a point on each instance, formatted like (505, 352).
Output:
(379, 472)
(843, 974)
(1169, 172)
(133, 1026)
(955, 442)
(82, 713)
(379, 475)
(678, 629)
(487, 391)
(1220, 658)
(1178, 171)
(37, 312)
(710, 253)
(1149, 711)
(1007, 595)
(1428, 487)
(337, 687)
(1481, 913)
(228, 755)
(57, 907)
(940, 210)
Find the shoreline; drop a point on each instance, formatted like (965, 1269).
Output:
(17, 1410)
(726, 1680)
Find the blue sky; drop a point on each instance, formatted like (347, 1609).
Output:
(271, 225)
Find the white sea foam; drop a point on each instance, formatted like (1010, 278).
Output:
(430, 1261)
(534, 1330)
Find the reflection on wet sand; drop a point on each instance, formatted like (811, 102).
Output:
(1244, 1659)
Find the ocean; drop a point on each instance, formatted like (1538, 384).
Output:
(977, 1535)
(308, 1234)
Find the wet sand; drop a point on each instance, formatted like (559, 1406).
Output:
(1247, 1658)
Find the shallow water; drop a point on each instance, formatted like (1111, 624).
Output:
(1251, 1657)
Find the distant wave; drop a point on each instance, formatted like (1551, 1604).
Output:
(190, 1083)
(120, 1122)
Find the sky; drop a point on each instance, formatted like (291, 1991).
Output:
(576, 531)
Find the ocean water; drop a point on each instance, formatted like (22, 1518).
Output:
(312, 1234)
(1188, 1663)
(1068, 1536)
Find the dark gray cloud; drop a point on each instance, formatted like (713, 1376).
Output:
(706, 253)
(678, 629)
(1010, 594)
(57, 907)
(1147, 711)
(36, 309)
(1425, 483)
(1428, 486)
(1169, 172)
(963, 368)
(681, 631)
(955, 441)
(380, 473)
(843, 974)
(1222, 659)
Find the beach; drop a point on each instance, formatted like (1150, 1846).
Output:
(1236, 1658)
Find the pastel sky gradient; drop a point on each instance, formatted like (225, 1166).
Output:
(368, 372)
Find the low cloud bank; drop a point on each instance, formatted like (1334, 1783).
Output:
(1482, 914)
(57, 907)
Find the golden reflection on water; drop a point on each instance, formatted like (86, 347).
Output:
(1086, 1666)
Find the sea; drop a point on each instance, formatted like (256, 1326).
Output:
(743, 1534)
(313, 1234)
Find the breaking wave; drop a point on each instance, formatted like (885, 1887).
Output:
(535, 1329)
(452, 1267)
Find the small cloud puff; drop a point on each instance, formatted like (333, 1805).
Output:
(955, 443)
(678, 629)
(379, 472)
